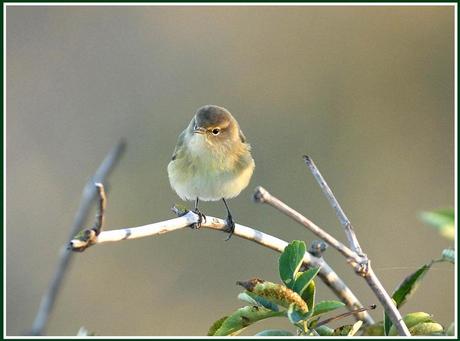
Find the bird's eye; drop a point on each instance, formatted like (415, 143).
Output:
(216, 131)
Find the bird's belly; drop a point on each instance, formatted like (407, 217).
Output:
(211, 185)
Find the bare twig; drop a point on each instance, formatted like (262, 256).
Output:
(261, 195)
(349, 232)
(88, 195)
(368, 273)
(326, 273)
(335, 318)
(100, 211)
(360, 263)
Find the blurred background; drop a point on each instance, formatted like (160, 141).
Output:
(367, 92)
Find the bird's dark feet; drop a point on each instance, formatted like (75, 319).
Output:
(201, 218)
(230, 226)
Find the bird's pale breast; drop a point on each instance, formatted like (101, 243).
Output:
(210, 173)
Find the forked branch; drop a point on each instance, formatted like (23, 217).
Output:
(88, 237)
(88, 195)
(354, 256)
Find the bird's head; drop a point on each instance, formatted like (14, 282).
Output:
(216, 124)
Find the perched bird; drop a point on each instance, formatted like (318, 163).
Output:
(211, 161)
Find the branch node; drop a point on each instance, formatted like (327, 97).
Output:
(362, 267)
(260, 194)
(83, 240)
(179, 210)
(307, 159)
(317, 248)
(88, 236)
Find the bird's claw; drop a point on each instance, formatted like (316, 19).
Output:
(230, 227)
(201, 218)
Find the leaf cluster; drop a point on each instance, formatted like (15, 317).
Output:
(294, 299)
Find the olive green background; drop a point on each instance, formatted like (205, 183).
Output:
(367, 92)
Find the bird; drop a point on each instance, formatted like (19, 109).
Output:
(212, 161)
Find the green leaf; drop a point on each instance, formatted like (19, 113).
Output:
(254, 299)
(216, 325)
(355, 328)
(243, 318)
(343, 330)
(451, 330)
(303, 280)
(405, 290)
(409, 285)
(294, 315)
(411, 320)
(326, 306)
(274, 332)
(375, 329)
(427, 328)
(244, 296)
(448, 255)
(290, 262)
(387, 324)
(324, 330)
(443, 220)
(309, 295)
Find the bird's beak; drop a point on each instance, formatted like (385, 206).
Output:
(199, 130)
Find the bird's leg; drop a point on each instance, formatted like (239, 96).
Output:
(230, 223)
(201, 216)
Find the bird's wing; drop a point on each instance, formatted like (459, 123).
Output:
(242, 137)
(179, 145)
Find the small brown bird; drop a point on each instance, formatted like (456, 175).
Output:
(211, 161)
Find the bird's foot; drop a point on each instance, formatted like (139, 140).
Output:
(201, 218)
(230, 227)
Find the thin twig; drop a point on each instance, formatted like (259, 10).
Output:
(88, 195)
(361, 264)
(387, 302)
(261, 195)
(326, 273)
(335, 318)
(100, 211)
(349, 232)
(368, 273)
